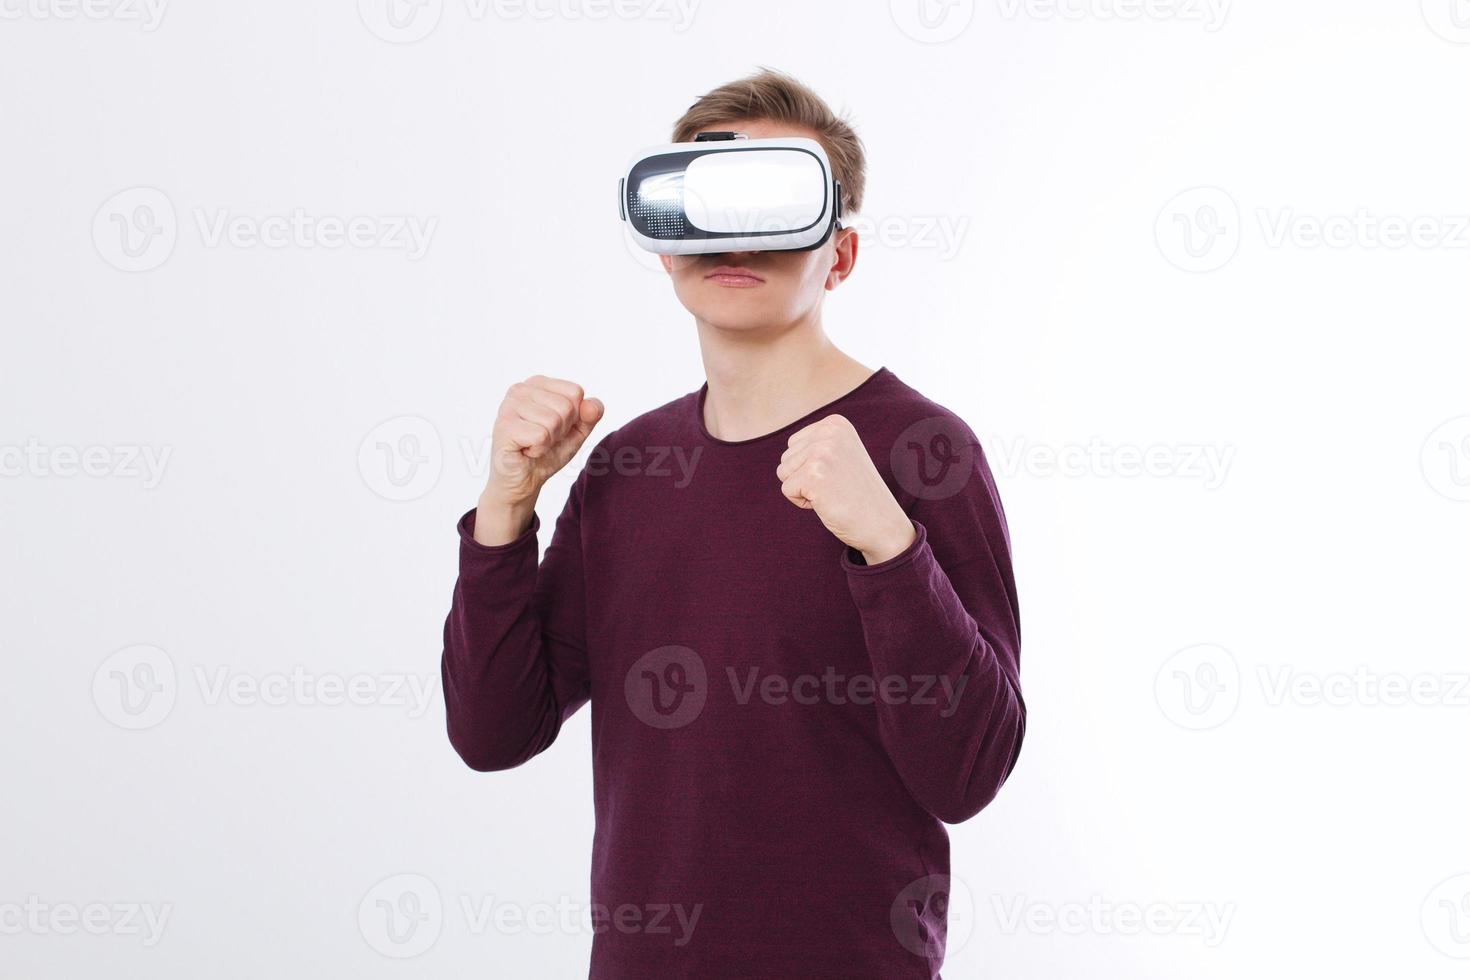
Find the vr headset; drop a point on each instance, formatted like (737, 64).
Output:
(725, 192)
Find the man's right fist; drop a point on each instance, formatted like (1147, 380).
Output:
(540, 426)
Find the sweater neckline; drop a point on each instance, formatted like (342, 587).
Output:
(811, 416)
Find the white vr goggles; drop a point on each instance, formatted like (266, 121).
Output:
(725, 192)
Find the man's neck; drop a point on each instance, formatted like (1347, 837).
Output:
(757, 384)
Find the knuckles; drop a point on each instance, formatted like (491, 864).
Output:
(837, 424)
(542, 382)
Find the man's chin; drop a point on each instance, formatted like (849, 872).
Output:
(732, 321)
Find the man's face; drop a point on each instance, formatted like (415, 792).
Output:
(777, 289)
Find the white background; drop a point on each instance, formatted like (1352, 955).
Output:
(1031, 265)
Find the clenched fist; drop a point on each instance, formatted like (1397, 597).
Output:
(540, 426)
(826, 468)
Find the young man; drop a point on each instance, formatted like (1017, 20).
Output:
(787, 595)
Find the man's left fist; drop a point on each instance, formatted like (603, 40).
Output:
(826, 468)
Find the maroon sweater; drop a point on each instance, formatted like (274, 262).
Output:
(779, 732)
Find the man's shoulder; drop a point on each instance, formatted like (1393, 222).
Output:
(893, 409)
(924, 450)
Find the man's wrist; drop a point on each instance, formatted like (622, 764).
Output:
(892, 544)
(498, 522)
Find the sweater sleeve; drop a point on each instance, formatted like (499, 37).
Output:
(515, 663)
(943, 614)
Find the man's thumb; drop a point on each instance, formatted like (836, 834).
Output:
(590, 415)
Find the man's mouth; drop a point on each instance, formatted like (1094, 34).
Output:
(734, 275)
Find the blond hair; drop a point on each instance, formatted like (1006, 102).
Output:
(775, 96)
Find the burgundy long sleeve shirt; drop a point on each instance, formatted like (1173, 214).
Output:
(779, 731)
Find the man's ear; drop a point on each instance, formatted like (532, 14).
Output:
(667, 263)
(844, 256)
